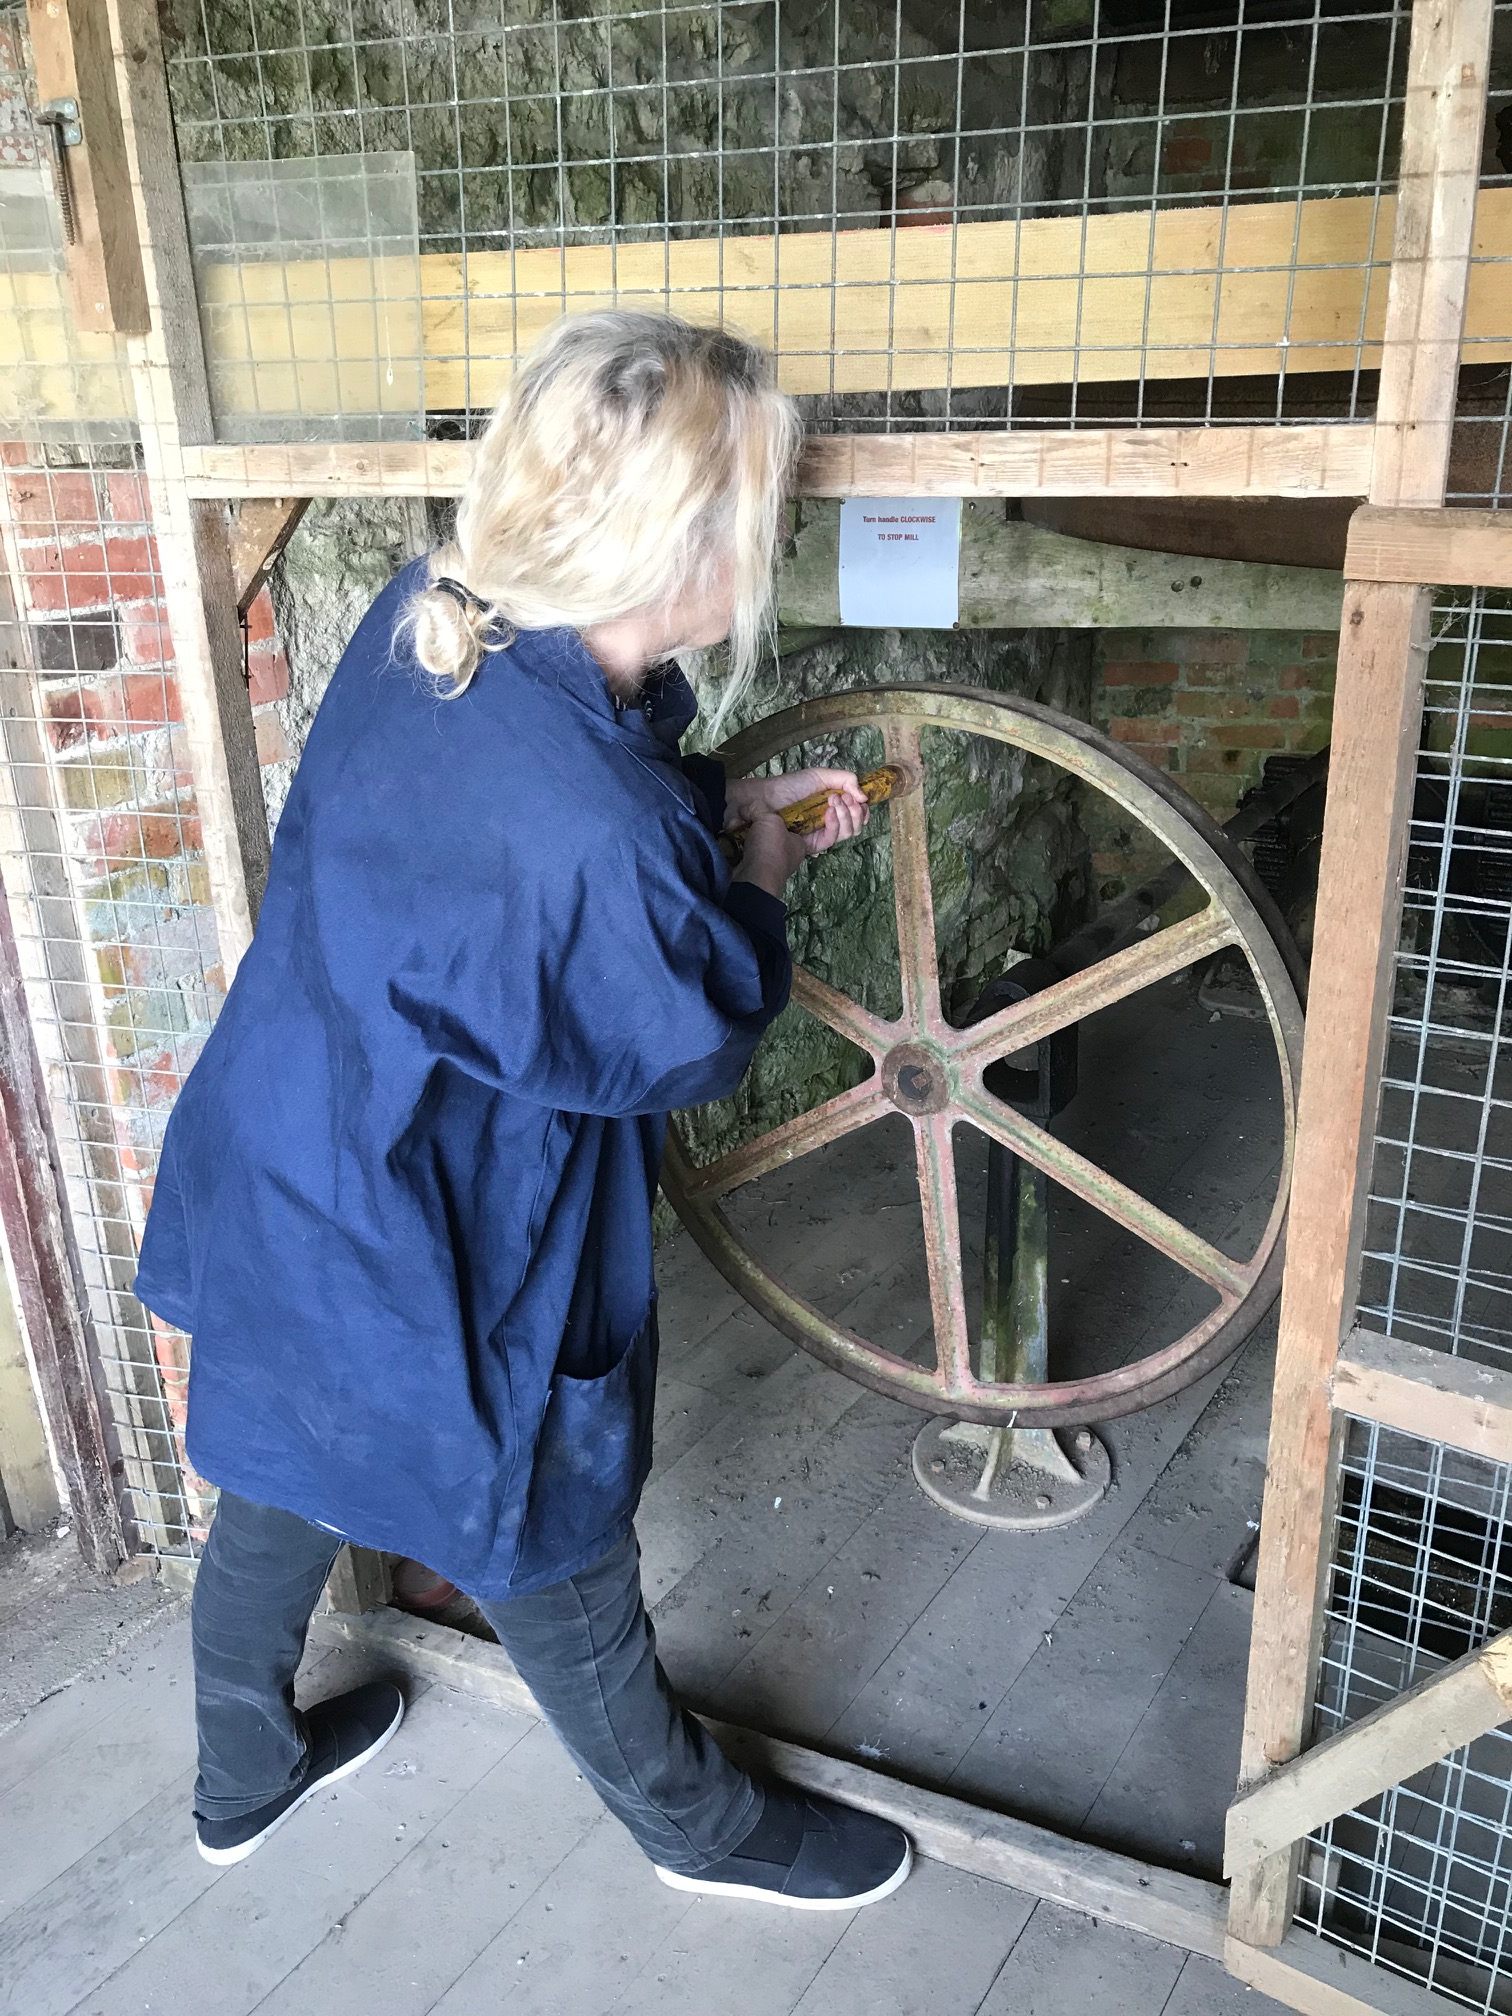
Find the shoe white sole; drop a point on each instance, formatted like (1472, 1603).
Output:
(224, 1857)
(758, 1895)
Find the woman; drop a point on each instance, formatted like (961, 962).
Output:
(404, 1205)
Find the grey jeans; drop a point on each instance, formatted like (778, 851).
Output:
(584, 1647)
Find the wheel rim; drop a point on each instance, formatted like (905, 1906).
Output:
(931, 1072)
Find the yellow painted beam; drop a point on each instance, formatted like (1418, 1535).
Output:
(1168, 293)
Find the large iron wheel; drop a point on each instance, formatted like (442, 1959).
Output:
(932, 1072)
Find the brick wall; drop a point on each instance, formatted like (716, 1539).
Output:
(1209, 706)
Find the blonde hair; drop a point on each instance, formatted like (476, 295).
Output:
(633, 458)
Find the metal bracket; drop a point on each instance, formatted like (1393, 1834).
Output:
(61, 118)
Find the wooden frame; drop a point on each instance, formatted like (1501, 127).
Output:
(1401, 543)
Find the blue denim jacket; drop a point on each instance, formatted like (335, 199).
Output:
(404, 1204)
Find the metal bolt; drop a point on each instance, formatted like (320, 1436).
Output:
(1043, 1501)
(1084, 1439)
(937, 1466)
(69, 107)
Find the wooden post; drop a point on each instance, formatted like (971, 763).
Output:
(199, 592)
(70, 42)
(1377, 719)
(45, 1265)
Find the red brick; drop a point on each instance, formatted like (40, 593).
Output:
(160, 1077)
(129, 502)
(1208, 647)
(73, 716)
(62, 500)
(267, 674)
(1163, 757)
(260, 618)
(1212, 761)
(1214, 706)
(1139, 673)
(1294, 676)
(1285, 707)
(148, 638)
(1142, 729)
(127, 837)
(1254, 735)
(150, 700)
(84, 574)
(1320, 644)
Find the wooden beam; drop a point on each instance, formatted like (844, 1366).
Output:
(173, 406)
(1183, 292)
(70, 41)
(1015, 576)
(1409, 1734)
(1376, 722)
(1181, 1910)
(1305, 461)
(1437, 232)
(1280, 532)
(1377, 707)
(27, 1485)
(1440, 549)
(1426, 1393)
(259, 532)
(359, 1581)
(1308, 1974)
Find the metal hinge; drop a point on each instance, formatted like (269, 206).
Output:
(61, 118)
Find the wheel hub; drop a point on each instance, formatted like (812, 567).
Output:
(913, 1077)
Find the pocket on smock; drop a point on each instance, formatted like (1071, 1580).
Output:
(591, 1460)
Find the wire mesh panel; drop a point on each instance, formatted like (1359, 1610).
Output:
(1418, 1880)
(100, 856)
(1438, 1266)
(1062, 209)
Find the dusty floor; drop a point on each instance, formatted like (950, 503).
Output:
(1091, 1678)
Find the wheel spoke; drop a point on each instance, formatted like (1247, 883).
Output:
(1106, 1194)
(1113, 979)
(781, 1145)
(838, 1012)
(942, 1249)
(913, 896)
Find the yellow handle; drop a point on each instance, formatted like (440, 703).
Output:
(889, 780)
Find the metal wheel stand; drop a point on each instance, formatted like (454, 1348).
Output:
(1020, 1479)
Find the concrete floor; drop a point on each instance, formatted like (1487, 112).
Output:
(1091, 1678)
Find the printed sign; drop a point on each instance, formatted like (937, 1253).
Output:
(900, 562)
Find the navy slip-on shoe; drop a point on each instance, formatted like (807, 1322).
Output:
(342, 1733)
(808, 1853)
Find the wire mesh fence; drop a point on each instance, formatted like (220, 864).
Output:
(100, 857)
(1419, 1880)
(935, 215)
(1438, 1260)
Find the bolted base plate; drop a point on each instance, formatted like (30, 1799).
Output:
(1019, 1479)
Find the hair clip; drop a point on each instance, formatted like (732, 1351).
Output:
(464, 597)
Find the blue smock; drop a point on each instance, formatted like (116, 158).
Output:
(404, 1202)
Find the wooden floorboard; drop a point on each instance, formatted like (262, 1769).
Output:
(218, 1954)
(1065, 1961)
(1168, 1793)
(1206, 1989)
(1054, 1740)
(454, 1895)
